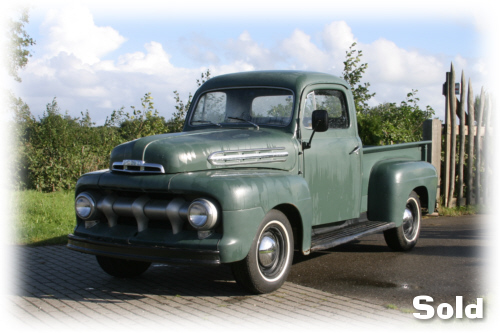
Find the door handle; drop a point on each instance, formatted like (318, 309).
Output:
(355, 150)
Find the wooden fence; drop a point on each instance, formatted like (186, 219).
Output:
(460, 146)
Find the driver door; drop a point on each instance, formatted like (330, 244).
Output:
(332, 166)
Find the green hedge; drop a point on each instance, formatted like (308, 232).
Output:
(56, 149)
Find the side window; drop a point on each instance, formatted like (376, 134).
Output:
(333, 101)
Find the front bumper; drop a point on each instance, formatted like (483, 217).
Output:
(151, 253)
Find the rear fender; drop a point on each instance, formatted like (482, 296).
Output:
(390, 184)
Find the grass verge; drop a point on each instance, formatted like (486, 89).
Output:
(395, 307)
(43, 218)
(460, 211)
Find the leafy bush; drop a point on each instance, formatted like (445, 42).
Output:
(389, 123)
(57, 149)
(139, 123)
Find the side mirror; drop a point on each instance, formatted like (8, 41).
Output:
(319, 124)
(319, 121)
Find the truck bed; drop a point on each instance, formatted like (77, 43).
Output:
(414, 151)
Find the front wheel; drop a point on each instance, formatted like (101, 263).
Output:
(268, 263)
(405, 236)
(122, 268)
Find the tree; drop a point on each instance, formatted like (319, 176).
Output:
(353, 72)
(19, 128)
(176, 123)
(19, 44)
(17, 54)
(386, 123)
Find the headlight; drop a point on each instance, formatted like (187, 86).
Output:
(202, 214)
(84, 205)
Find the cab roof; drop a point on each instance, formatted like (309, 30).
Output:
(294, 80)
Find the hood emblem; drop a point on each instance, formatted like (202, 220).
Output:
(248, 156)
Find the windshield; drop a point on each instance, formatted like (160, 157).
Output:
(254, 106)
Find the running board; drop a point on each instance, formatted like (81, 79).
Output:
(337, 236)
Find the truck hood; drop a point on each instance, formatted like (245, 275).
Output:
(206, 150)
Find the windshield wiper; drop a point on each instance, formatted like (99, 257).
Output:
(206, 122)
(248, 121)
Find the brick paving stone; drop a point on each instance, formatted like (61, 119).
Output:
(56, 288)
(348, 305)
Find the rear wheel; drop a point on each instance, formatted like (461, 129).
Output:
(122, 268)
(268, 263)
(404, 237)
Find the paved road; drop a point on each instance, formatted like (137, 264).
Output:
(346, 287)
(57, 288)
(448, 261)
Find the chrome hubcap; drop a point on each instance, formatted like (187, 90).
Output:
(268, 249)
(411, 220)
(408, 222)
(272, 251)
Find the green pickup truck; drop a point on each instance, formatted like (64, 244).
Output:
(269, 163)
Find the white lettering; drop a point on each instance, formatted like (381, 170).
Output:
(445, 310)
(449, 311)
(478, 307)
(460, 307)
(423, 307)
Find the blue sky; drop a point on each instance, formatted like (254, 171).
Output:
(97, 56)
(438, 36)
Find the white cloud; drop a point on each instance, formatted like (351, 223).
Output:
(72, 30)
(249, 51)
(392, 64)
(303, 53)
(234, 67)
(337, 38)
(156, 61)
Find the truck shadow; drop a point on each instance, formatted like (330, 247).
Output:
(353, 246)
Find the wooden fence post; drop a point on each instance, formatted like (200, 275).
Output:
(445, 178)
(475, 132)
(470, 143)
(486, 151)
(432, 130)
(452, 145)
(461, 154)
(477, 178)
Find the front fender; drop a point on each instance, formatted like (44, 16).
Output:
(245, 196)
(390, 184)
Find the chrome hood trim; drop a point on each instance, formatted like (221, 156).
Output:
(248, 156)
